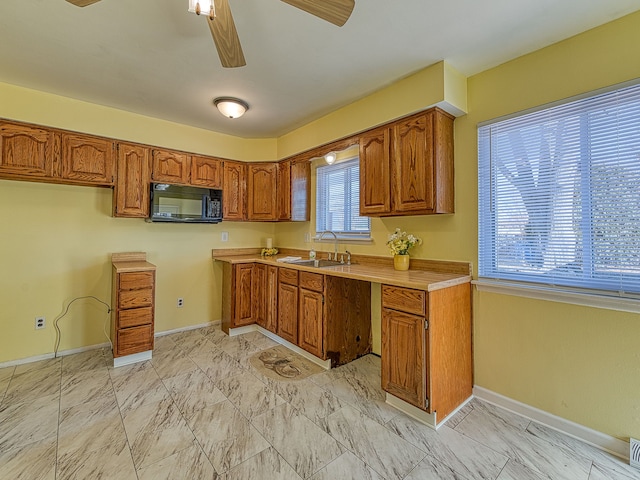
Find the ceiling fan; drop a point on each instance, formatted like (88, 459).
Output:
(223, 28)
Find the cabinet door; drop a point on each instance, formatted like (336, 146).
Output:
(412, 173)
(288, 312)
(404, 348)
(243, 295)
(134, 340)
(260, 294)
(375, 186)
(170, 167)
(131, 195)
(87, 159)
(271, 315)
(284, 190)
(27, 151)
(206, 172)
(300, 191)
(261, 186)
(233, 194)
(311, 322)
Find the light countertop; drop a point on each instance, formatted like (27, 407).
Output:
(376, 273)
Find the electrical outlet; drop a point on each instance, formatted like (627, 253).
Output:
(224, 237)
(180, 302)
(40, 323)
(307, 237)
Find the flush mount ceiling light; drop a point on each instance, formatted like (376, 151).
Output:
(330, 158)
(231, 107)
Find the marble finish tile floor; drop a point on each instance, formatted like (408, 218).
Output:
(199, 411)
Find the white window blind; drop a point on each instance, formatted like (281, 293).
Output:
(338, 199)
(559, 195)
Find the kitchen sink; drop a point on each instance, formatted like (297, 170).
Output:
(317, 263)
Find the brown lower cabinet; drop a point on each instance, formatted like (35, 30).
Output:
(133, 294)
(426, 346)
(288, 304)
(330, 317)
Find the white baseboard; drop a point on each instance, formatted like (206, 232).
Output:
(48, 356)
(326, 364)
(133, 358)
(186, 329)
(598, 439)
(428, 419)
(62, 353)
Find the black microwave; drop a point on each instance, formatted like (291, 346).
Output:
(182, 204)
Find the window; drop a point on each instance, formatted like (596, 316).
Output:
(559, 195)
(338, 200)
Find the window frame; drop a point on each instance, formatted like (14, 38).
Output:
(321, 213)
(491, 278)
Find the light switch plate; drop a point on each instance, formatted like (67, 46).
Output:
(224, 237)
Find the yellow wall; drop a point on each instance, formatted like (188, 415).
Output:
(580, 363)
(55, 244)
(42, 108)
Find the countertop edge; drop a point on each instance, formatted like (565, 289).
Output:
(420, 278)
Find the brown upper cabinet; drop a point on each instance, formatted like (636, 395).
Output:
(170, 167)
(131, 193)
(284, 190)
(406, 167)
(88, 160)
(206, 171)
(300, 191)
(261, 191)
(28, 152)
(234, 186)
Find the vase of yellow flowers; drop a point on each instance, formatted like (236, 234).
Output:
(399, 243)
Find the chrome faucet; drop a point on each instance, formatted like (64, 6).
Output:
(335, 244)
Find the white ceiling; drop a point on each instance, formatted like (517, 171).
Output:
(154, 58)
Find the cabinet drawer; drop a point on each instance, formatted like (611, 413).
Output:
(404, 299)
(135, 340)
(312, 281)
(135, 280)
(135, 298)
(288, 275)
(135, 317)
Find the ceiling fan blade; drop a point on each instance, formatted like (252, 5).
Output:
(225, 36)
(333, 11)
(82, 3)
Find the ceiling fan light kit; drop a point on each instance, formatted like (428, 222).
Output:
(223, 28)
(231, 107)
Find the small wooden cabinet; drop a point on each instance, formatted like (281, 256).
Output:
(284, 190)
(133, 304)
(88, 160)
(311, 313)
(426, 346)
(234, 191)
(206, 172)
(170, 166)
(300, 191)
(262, 199)
(288, 304)
(244, 288)
(131, 193)
(406, 167)
(28, 152)
(270, 321)
(375, 183)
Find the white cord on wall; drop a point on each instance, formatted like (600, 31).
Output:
(104, 325)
